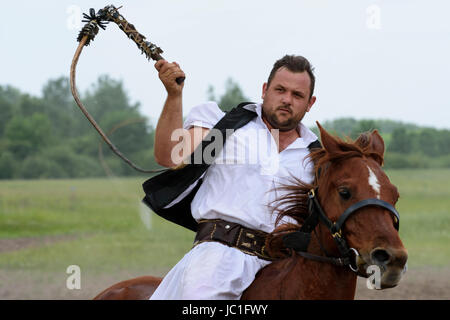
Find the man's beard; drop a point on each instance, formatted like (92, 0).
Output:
(286, 125)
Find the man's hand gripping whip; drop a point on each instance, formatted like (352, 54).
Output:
(86, 35)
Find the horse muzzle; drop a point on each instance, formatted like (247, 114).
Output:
(384, 266)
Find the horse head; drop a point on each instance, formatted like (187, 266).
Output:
(349, 173)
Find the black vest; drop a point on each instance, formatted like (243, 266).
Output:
(162, 189)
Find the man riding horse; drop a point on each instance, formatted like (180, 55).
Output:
(231, 204)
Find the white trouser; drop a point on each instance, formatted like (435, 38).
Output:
(210, 271)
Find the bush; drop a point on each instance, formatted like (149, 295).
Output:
(393, 160)
(84, 166)
(38, 167)
(441, 162)
(7, 165)
(419, 161)
(75, 165)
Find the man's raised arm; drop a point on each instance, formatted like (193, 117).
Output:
(171, 143)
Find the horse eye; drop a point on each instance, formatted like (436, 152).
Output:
(344, 193)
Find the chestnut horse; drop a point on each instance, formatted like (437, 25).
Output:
(354, 226)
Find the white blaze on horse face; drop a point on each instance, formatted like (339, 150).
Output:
(373, 182)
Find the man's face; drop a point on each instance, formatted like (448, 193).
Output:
(286, 99)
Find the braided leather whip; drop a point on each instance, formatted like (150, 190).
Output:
(86, 35)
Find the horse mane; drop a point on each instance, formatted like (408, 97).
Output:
(294, 205)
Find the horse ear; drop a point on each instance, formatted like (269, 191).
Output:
(377, 146)
(328, 142)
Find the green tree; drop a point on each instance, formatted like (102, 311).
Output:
(57, 91)
(363, 126)
(106, 96)
(26, 136)
(48, 136)
(127, 130)
(444, 142)
(29, 105)
(6, 113)
(342, 127)
(10, 94)
(120, 119)
(7, 165)
(427, 141)
(71, 164)
(38, 167)
(232, 96)
(400, 142)
(60, 108)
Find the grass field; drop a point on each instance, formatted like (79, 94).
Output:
(101, 226)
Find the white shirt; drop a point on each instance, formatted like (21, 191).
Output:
(240, 185)
(238, 192)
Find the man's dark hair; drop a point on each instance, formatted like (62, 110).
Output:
(294, 64)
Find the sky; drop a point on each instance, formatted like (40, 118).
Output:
(373, 59)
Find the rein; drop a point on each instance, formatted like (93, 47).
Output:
(300, 239)
(86, 35)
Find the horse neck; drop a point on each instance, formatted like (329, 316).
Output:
(319, 280)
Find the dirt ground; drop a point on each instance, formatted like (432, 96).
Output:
(420, 283)
(7, 245)
(425, 283)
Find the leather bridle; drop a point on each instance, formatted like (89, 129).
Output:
(300, 239)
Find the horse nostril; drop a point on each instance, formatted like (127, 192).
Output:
(381, 256)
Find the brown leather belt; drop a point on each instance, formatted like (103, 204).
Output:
(233, 235)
